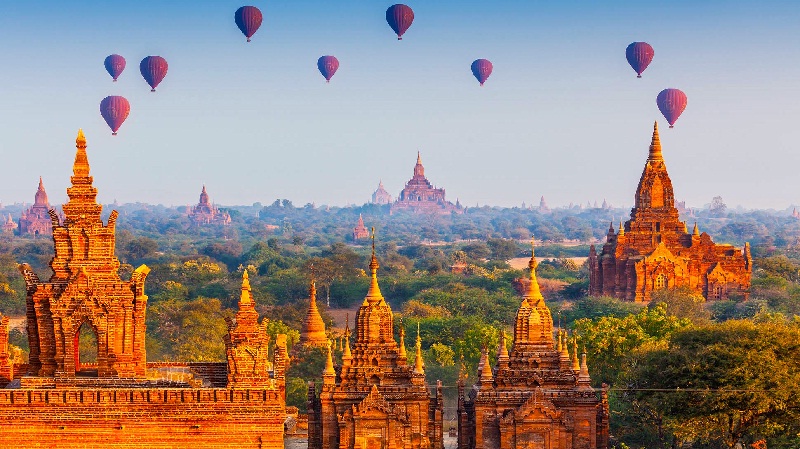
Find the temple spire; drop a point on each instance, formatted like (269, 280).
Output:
(621, 229)
(402, 352)
(655, 145)
(374, 295)
(696, 230)
(329, 374)
(80, 168)
(533, 295)
(313, 330)
(247, 296)
(486, 375)
(419, 366)
(576, 364)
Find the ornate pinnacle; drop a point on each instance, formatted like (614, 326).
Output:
(403, 353)
(621, 229)
(696, 230)
(81, 166)
(576, 365)
(419, 366)
(374, 294)
(655, 145)
(246, 297)
(81, 139)
(533, 292)
(329, 371)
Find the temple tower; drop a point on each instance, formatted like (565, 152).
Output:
(85, 288)
(313, 331)
(36, 220)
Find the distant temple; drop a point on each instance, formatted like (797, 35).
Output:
(207, 213)
(313, 330)
(795, 214)
(539, 395)
(654, 250)
(360, 231)
(543, 208)
(36, 220)
(375, 399)
(10, 225)
(420, 196)
(381, 196)
(120, 400)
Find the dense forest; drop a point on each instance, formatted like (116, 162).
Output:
(683, 372)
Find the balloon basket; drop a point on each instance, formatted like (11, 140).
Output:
(113, 134)
(114, 81)
(248, 39)
(670, 126)
(638, 76)
(399, 38)
(152, 90)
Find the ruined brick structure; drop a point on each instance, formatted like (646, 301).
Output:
(655, 250)
(420, 196)
(360, 231)
(313, 331)
(381, 196)
(9, 226)
(375, 399)
(122, 401)
(36, 220)
(538, 396)
(207, 213)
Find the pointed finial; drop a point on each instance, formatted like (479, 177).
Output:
(583, 377)
(533, 295)
(611, 228)
(696, 230)
(81, 139)
(621, 229)
(685, 229)
(80, 168)
(41, 184)
(329, 371)
(403, 353)
(655, 145)
(486, 369)
(502, 353)
(576, 366)
(419, 158)
(247, 296)
(419, 366)
(374, 294)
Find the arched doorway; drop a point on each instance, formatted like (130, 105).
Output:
(86, 351)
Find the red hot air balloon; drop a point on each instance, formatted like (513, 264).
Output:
(248, 19)
(154, 69)
(114, 110)
(639, 55)
(328, 65)
(399, 17)
(115, 64)
(671, 103)
(481, 68)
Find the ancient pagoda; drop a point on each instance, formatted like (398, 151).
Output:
(375, 398)
(381, 196)
(206, 212)
(313, 331)
(655, 250)
(36, 220)
(539, 395)
(360, 232)
(120, 401)
(420, 196)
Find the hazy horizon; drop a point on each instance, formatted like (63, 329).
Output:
(563, 115)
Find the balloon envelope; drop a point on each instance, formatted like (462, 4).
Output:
(154, 69)
(481, 68)
(114, 110)
(671, 103)
(399, 17)
(115, 64)
(639, 55)
(328, 65)
(248, 19)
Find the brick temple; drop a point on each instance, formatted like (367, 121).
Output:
(121, 401)
(313, 331)
(207, 213)
(360, 232)
(381, 196)
(538, 395)
(36, 219)
(420, 196)
(375, 398)
(655, 250)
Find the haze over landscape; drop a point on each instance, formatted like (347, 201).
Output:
(561, 116)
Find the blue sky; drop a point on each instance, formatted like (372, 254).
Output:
(563, 115)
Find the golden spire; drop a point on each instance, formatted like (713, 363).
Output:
(685, 229)
(621, 229)
(533, 295)
(696, 230)
(247, 295)
(576, 365)
(655, 145)
(502, 353)
(419, 158)
(403, 353)
(313, 329)
(419, 367)
(583, 376)
(486, 368)
(347, 355)
(329, 373)
(558, 345)
(81, 166)
(374, 295)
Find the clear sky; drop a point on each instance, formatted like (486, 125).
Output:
(563, 115)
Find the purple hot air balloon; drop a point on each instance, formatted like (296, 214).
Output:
(115, 64)
(248, 19)
(115, 110)
(328, 65)
(481, 68)
(671, 103)
(399, 17)
(639, 55)
(154, 69)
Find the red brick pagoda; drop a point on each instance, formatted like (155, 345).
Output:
(420, 196)
(36, 220)
(655, 250)
(207, 213)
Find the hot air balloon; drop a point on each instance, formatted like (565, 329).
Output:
(114, 110)
(115, 64)
(399, 17)
(248, 19)
(671, 103)
(154, 69)
(481, 68)
(639, 55)
(328, 65)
